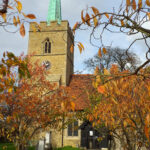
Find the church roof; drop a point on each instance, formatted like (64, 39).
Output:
(80, 88)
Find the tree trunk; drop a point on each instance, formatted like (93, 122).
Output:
(20, 147)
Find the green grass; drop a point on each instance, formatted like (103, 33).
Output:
(7, 146)
(10, 146)
(68, 148)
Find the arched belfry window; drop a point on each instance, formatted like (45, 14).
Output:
(47, 46)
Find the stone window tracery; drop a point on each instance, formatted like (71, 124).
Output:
(47, 46)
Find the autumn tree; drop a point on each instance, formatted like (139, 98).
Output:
(129, 20)
(30, 105)
(114, 56)
(122, 100)
(122, 106)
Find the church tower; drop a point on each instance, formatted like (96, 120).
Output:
(51, 45)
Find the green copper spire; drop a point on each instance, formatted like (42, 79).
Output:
(54, 11)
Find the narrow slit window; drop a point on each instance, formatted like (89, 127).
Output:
(47, 48)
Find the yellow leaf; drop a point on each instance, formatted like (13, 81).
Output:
(133, 4)
(80, 48)
(87, 19)
(95, 10)
(22, 30)
(75, 27)
(1, 76)
(19, 6)
(4, 16)
(113, 100)
(106, 72)
(72, 48)
(10, 90)
(101, 89)
(128, 3)
(81, 45)
(73, 106)
(148, 2)
(14, 21)
(122, 23)
(148, 14)
(95, 21)
(140, 4)
(104, 50)
(107, 16)
(18, 20)
(31, 16)
(100, 52)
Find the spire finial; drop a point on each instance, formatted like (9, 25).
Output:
(54, 11)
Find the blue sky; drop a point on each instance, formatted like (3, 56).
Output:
(71, 10)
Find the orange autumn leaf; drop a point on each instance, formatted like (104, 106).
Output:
(100, 52)
(80, 48)
(82, 18)
(87, 19)
(4, 16)
(107, 15)
(140, 4)
(95, 10)
(18, 20)
(14, 21)
(101, 89)
(73, 106)
(148, 2)
(104, 50)
(95, 21)
(147, 121)
(148, 14)
(22, 30)
(133, 4)
(81, 45)
(31, 16)
(75, 27)
(19, 6)
(128, 3)
(122, 23)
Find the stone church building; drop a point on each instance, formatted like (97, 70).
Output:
(51, 46)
